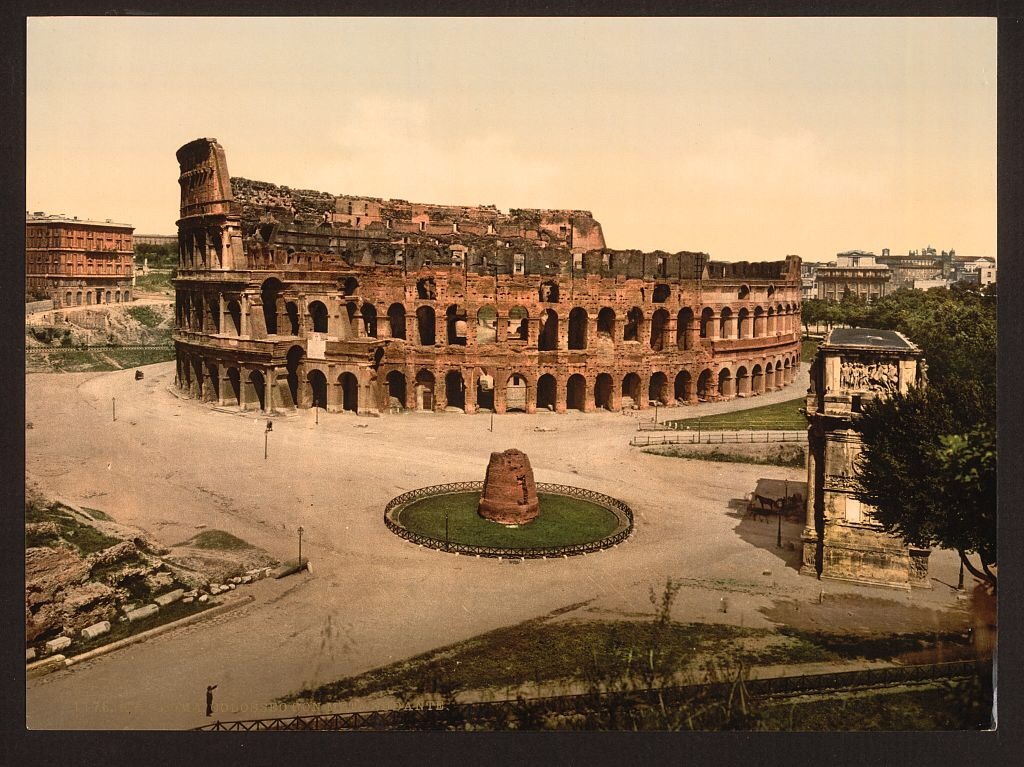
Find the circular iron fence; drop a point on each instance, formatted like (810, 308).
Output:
(622, 513)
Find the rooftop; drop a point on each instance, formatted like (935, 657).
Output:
(40, 217)
(871, 338)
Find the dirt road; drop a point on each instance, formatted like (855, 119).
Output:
(170, 465)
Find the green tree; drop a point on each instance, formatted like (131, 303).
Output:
(929, 460)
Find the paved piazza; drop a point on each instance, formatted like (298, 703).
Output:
(170, 465)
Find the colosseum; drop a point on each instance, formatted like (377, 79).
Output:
(289, 298)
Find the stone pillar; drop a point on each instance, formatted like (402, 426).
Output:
(501, 376)
(412, 330)
(620, 331)
(732, 326)
(245, 394)
(244, 302)
(590, 396)
(501, 331)
(209, 391)
(531, 396)
(533, 331)
(563, 333)
(410, 388)
(221, 310)
(561, 390)
(226, 395)
(470, 394)
(670, 333)
(712, 326)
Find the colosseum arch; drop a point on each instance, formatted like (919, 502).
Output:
(684, 329)
(396, 388)
(606, 323)
(548, 292)
(661, 293)
(318, 316)
(705, 385)
(725, 327)
(213, 375)
(317, 382)
(757, 380)
(455, 390)
(234, 397)
(726, 383)
(760, 327)
(257, 388)
(770, 321)
(657, 390)
(743, 323)
(578, 328)
(603, 391)
(293, 363)
(425, 324)
(576, 392)
(743, 292)
(659, 329)
(547, 337)
(426, 289)
(683, 386)
(424, 390)
(349, 392)
(455, 325)
(369, 319)
(633, 329)
(742, 381)
(487, 325)
(234, 313)
(396, 319)
(271, 293)
(518, 324)
(350, 287)
(707, 317)
(631, 387)
(516, 392)
(484, 394)
(547, 392)
(780, 380)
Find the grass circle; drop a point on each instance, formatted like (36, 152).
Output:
(562, 521)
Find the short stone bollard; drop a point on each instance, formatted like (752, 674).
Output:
(143, 612)
(58, 644)
(170, 597)
(30, 654)
(95, 630)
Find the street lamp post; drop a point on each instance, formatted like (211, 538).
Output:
(266, 438)
(113, 407)
(446, 529)
(300, 547)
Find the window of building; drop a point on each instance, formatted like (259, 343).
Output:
(518, 264)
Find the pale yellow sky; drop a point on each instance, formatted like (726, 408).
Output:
(745, 138)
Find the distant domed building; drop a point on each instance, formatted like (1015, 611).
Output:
(291, 298)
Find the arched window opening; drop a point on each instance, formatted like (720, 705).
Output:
(578, 329)
(630, 391)
(683, 387)
(518, 324)
(396, 319)
(725, 383)
(515, 393)
(487, 325)
(546, 391)
(270, 295)
(743, 324)
(350, 287)
(318, 388)
(395, 381)
(424, 390)
(292, 310)
(455, 324)
(349, 392)
(576, 392)
(426, 290)
(603, 391)
(234, 318)
(606, 323)
(455, 390)
(705, 385)
(634, 325)
(684, 329)
(659, 325)
(725, 323)
(318, 316)
(425, 325)
(547, 339)
(370, 320)
(661, 294)
(549, 292)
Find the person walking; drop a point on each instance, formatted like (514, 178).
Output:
(209, 699)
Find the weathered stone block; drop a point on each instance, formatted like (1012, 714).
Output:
(30, 654)
(95, 630)
(204, 598)
(143, 612)
(170, 597)
(58, 644)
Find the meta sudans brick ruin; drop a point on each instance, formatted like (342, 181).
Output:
(291, 298)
